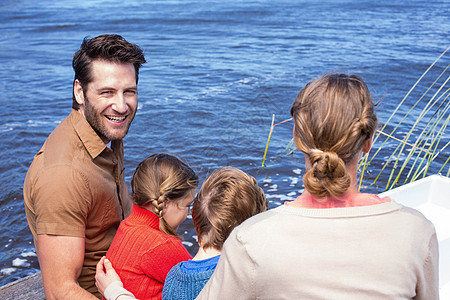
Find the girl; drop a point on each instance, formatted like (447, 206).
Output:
(147, 245)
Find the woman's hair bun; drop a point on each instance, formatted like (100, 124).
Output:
(328, 175)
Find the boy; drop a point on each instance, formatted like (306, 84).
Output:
(227, 198)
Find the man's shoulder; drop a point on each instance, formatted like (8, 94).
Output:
(62, 145)
(58, 160)
(62, 133)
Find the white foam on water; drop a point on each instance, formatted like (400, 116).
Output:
(13, 124)
(35, 123)
(292, 194)
(244, 81)
(273, 188)
(19, 262)
(267, 180)
(297, 171)
(187, 244)
(273, 203)
(28, 254)
(5, 129)
(279, 197)
(7, 271)
(294, 181)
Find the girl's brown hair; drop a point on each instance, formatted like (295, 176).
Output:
(334, 116)
(226, 199)
(158, 178)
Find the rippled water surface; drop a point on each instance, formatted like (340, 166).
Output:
(216, 72)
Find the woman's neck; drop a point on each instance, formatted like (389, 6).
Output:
(306, 200)
(203, 253)
(351, 190)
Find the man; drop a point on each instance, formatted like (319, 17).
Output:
(74, 192)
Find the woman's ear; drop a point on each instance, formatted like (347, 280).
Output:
(308, 165)
(293, 136)
(367, 145)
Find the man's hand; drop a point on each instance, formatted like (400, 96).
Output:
(105, 275)
(61, 259)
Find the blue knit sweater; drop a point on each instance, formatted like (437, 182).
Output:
(186, 279)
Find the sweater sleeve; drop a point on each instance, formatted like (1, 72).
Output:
(157, 262)
(428, 282)
(116, 291)
(234, 277)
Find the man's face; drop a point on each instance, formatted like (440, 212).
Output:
(110, 101)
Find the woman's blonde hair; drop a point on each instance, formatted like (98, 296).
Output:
(226, 199)
(334, 116)
(161, 177)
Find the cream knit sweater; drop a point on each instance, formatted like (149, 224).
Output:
(382, 251)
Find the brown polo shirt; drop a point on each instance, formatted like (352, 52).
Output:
(76, 187)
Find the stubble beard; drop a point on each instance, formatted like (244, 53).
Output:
(94, 119)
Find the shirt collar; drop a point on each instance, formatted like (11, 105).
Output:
(90, 139)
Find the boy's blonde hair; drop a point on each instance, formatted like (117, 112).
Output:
(226, 199)
(334, 117)
(158, 178)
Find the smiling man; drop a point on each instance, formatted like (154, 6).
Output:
(74, 192)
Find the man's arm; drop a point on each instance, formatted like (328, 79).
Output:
(61, 259)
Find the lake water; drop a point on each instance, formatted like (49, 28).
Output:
(216, 72)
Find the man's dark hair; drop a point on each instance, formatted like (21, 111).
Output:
(109, 47)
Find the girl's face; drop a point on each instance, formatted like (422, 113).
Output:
(176, 211)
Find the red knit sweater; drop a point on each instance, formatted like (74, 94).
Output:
(142, 255)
